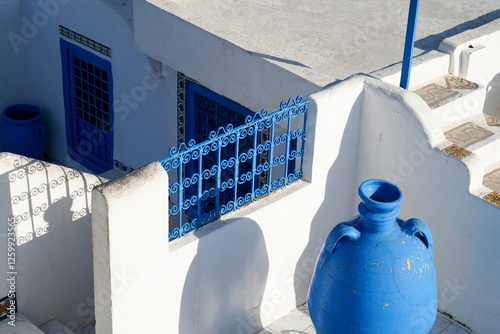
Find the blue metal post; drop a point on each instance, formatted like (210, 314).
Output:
(409, 43)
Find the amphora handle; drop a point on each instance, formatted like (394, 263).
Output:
(419, 229)
(340, 231)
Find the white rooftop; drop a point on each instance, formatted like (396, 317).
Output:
(328, 40)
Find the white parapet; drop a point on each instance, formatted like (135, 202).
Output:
(130, 237)
(50, 255)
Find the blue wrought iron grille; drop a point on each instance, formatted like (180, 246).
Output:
(235, 165)
(88, 102)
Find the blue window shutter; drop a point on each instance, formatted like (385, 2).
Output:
(88, 100)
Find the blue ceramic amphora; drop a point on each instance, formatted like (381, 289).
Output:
(375, 273)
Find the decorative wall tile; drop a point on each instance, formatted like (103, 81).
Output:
(5, 304)
(467, 134)
(435, 95)
(457, 151)
(491, 121)
(493, 198)
(492, 180)
(453, 82)
(85, 41)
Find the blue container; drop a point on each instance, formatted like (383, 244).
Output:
(375, 273)
(22, 131)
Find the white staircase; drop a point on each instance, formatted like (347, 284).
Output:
(24, 326)
(471, 136)
(87, 330)
(55, 327)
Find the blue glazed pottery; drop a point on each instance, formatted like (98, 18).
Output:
(375, 273)
(22, 131)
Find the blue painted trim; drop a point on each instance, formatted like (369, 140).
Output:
(409, 43)
(67, 51)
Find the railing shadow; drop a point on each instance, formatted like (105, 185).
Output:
(50, 206)
(338, 200)
(225, 284)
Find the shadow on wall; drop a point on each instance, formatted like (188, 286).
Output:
(492, 100)
(432, 42)
(225, 283)
(338, 204)
(50, 207)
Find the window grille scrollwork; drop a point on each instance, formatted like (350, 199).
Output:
(204, 193)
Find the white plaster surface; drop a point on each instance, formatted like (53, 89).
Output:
(130, 247)
(323, 41)
(251, 268)
(492, 99)
(11, 66)
(436, 187)
(50, 207)
(484, 35)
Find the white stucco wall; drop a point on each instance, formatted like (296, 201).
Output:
(486, 35)
(245, 271)
(253, 266)
(130, 246)
(50, 207)
(400, 143)
(481, 63)
(425, 68)
(144, 100)
(11, 66)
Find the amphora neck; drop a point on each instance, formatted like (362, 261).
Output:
(380, 206)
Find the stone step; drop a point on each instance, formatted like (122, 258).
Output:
(491, 181)
(483, 120)
(87, 330)
(476, 135)
(55, 327)
(22, 326)
(452, 99)
(476, 141)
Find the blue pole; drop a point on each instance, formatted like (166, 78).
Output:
(409, 43)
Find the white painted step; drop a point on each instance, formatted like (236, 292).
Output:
(55, 327)
(87, 330)
(23, 326)
(487, 149)
(454, 112)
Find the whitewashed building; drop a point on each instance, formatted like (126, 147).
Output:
(106, 240)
